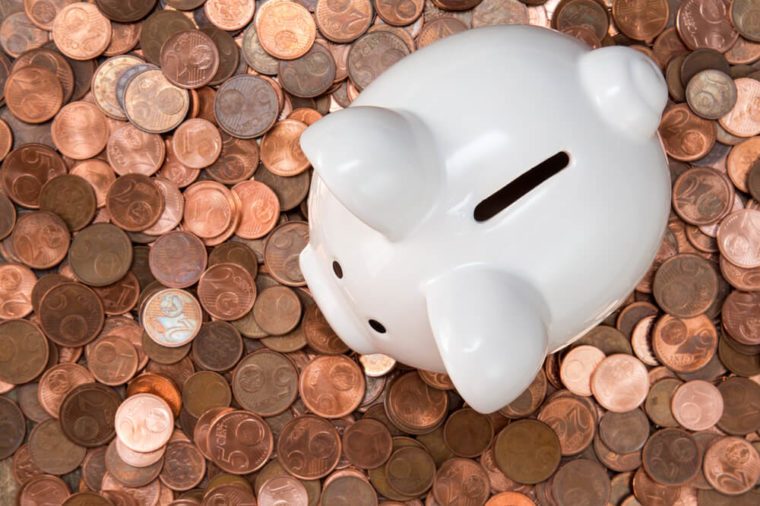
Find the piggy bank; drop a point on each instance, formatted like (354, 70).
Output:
(485, 201)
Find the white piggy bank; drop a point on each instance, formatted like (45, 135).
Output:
(485, 201)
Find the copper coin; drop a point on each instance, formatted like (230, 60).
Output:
(620, 383)
(289, 490)
(14, 427)
(581, 480)
(281, 150)
(739, 238)
(732, 465)
(144, 422)
(372, 54)
(101, 254)
(737, 311)
(229, 61)
(227, 291)
(79, 130)
(52, 451)
(124, 38)
(265, 383)
(81, 32)
(197, 143)
(686, 136)
(121, 474)
(57, 382)
(255, 56)
(189, 59)
(154, 104)
(26, 169)
(120, 297)
(572, 420)
(321, 337)
(209, 209)
(741, 398)
(331, 386)
(24, 353)
(260, 212)
(367, 444)
(70, 197)
(577, 367)
(310, 75)
(702, 196)
(744, 119)
(217, 347)
(277, 310)
(309, 447)
(641, 22)
(126, 12)
(174, 207)
(53, 61)
(410, 471)
(697, 405)
(87, 414)
(33, 94)
(158, 28)
(29, 403)
(529, 401)
(685, 285)
(184, 466)
(705, 23)
(740, 160)
(235, 253)
(132, 151)
(246, 106)
(134, 202)
(286, 30)
(283, 246)
(172, 317)
(414, 406)
(659, 401)
(205, 390)
(42, 489)
(527, 451)
(40, 239)
(16, 285)
(671, 457)
(624, 432)
(158, 385)
(344, 23)
(244, 435)
(238, 161)
(6, 140)
(113, 361)
(93, 467)
(467, 433)
(178, 259)
(24, 468)
(438, 29)
(71, 314)
(229, 15)
(18, 34)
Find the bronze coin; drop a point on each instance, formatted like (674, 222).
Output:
(671, 457)
(410, 471)
(235, 253)
(33, 94)
(40, 239)
(120, 297)
(128, 12)
(686, 136)
(57, 381)
(178, 259)
(685, 285)
(246, 106)
(205, 390)
(52, 450)
(18, 34)
(738, 309)
(70, 197)
(331, 386)
(265, 383)
(343, 23)
(372, 54)
(227, 291)
(189, 59)
(659, 400)
(254, 55)
(581, 481)
(286, 29)
(240, 433)
(24, 353)
(81, 32)
(42, 286)
(229, 54)
(309, 447)
(290, 191)
(217, 347)
(318, 333)
(158, 28)
(71, 314)
(624, 432)
(732, 465)
(367, 444)
(134, 202)
(310, 75)
(87, 414)
(277, 310)
(460, 480)
(26, 169)
(527, 451)
(184, 466)
(281, 252)
(80, 130)
(467, 433)
(237, 162)
(8, 216)
(127, 475)
(14, 427)
(101, 255)
(741, 398)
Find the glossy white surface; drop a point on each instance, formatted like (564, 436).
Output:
(399, 173)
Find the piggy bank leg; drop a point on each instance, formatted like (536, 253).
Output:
(490, 332)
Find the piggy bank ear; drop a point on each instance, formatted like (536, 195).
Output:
(379, 163)
(627, 88)
(490, 333)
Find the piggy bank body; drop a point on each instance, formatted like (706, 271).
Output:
(485, 201)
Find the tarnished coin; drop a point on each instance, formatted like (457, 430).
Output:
(58, 381)
(18, 34)
(26, 169)
(40, 239)
(70, 197)
(246, 106)
(125, 12)
(372, 54)
(308, 447)
(101, 254)
(711, 94)
(158, 28)
(685, 285)
(281, 252)
(516, 450)
(581, 481)
(105, 80)
(671, 457)
(52, 450)
(217, 347)
(265, 383)
(310, 75)
(87, 414)
(178, 259)
(71, 314)
(184, 466)
(14, 427)
(172, 317)
(24, 353)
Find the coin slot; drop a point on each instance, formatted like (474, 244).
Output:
(377, 326)
(517, 188)
(337, 269)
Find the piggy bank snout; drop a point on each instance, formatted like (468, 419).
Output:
(627, 89)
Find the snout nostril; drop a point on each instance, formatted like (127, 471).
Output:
(377, 326)
(337, 269)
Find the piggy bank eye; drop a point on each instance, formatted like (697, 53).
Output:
(377, 326)
(518, 187)
(337, 269)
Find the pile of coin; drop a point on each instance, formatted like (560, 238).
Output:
(158, 344)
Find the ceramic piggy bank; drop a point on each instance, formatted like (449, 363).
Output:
(485, 201)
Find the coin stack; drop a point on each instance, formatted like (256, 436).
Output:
(158, 344)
